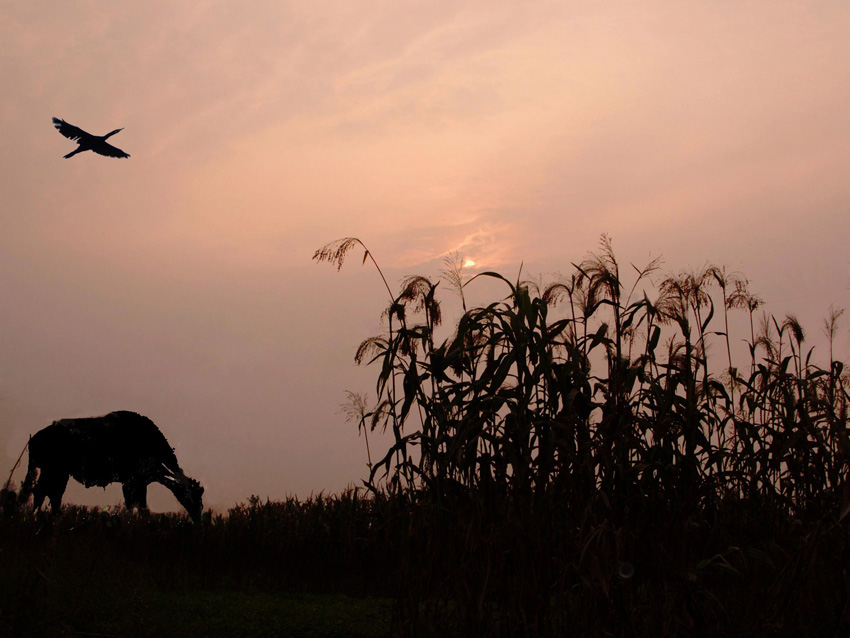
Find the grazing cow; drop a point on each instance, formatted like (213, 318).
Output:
(121, 447)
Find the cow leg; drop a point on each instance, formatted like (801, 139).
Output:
(129, 497)
(135, 495)
(38, 494)
(142, 496)
(29, 482)
(57, 491)
(50, 485)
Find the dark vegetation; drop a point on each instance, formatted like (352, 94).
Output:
(574, 463)
(291, 568)
(585, 457)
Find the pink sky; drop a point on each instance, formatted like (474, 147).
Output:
(179, 283)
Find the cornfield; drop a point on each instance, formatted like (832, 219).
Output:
(573, 461)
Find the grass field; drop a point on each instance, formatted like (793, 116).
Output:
(157, 613)
(265, 569)
(116, 573)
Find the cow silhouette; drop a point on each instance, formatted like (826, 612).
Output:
(121, 447)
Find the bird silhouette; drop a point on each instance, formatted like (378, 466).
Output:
(87, 141)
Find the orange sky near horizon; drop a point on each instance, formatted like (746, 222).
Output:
(179, 282)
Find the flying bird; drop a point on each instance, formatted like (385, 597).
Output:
(87, 141)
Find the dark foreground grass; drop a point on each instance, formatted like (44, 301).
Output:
(369, 565)
(265, 569)
(132, 612)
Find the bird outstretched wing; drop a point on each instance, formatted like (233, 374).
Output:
(109, 150)
(69, 130)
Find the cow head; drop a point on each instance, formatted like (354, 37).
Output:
(187, 491)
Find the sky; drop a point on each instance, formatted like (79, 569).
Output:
(179, 283)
